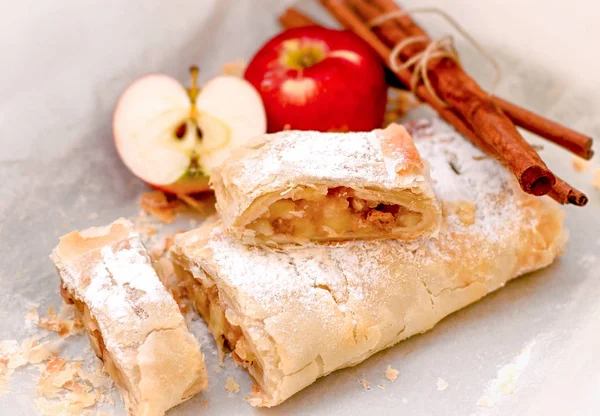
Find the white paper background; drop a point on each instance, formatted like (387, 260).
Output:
(63, 65)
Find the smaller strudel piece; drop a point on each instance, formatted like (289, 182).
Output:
(134, 324)
(304, 186)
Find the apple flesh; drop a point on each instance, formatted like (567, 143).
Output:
(173, 138)
(313, 78)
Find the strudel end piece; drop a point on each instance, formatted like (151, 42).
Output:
(134, 324)
(298, 187)
(291, 316)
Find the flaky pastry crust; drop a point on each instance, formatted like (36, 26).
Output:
(301, 313)
(335, 186)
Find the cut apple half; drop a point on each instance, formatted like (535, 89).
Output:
(172, 138)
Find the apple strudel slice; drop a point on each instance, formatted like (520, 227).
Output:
(292, 315)
(296, 187)
(134, 325)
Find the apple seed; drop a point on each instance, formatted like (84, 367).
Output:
(181, 130)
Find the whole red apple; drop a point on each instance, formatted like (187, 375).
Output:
(313, 78)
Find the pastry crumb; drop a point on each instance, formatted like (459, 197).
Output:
(64, 388)
(484, 401)
(232, 386)
(161, 206)
(234, 68)
(366, 385)
(596, 180)
(391, 373)
(256, 398)
(441, 384)
(32, 316)
(381, 386)
(198, 205)
(399, 103)
(580, 164)
(64, 324)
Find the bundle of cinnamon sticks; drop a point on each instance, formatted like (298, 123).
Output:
(487, 121)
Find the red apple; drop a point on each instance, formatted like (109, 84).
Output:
(172, 137)
(313, 78)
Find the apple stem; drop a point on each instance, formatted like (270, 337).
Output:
(194, 90)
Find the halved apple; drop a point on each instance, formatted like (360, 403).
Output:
(172, 138)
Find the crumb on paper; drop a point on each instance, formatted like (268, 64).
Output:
(580, 164)
(35, 352)
(484, 401)
(505, 383)
(381, 386)
(587, 261)
(391, 373)
(161, 206)
(63, 387)
(235, 68)
(366, 385)
(232, 386)
(200, 205)
(65, 324)
(399, 103)
(596, 180)
(67, 388)
(4, 387)
(255, 399)
(441, 384)
(32, 315)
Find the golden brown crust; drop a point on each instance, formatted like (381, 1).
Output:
(395, 140)
(134, 324)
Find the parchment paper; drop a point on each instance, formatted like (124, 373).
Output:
(64, 64)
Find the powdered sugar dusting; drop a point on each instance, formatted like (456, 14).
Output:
(130, 266)
(363, 296)
(479, 179)
(290, 158)
(459, 173)
(121, 288)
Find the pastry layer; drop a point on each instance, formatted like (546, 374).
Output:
(134, 324)
(298, 187)
(306, 312)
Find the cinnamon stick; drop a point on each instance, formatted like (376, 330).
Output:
(485, 119)
(565, 137)
(563, 192)
(293, 18)
(575, 142)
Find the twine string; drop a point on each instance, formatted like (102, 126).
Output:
(440, 48)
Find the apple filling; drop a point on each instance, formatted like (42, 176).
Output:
(91, 326)
(229, 337)
(311, 214)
